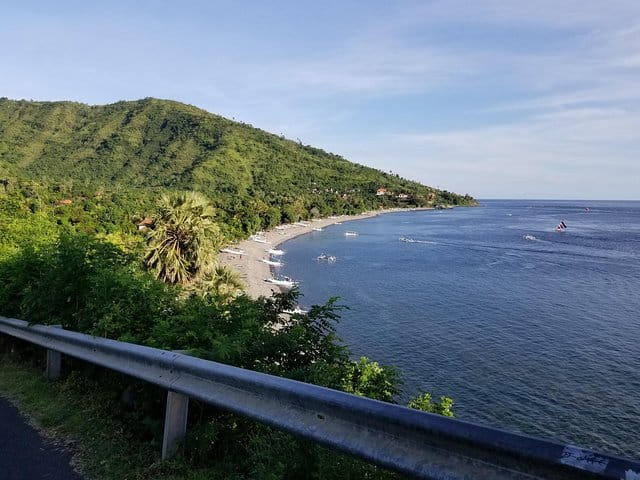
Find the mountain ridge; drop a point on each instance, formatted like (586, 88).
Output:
(151, 145)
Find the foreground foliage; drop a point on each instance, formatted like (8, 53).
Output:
(93, 285)
(82, 248)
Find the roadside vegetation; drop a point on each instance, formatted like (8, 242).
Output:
(138, 265)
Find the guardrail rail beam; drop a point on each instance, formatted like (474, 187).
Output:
(420, 444)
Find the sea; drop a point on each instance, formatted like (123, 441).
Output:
(526, 328)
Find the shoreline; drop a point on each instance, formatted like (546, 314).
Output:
(253, 271)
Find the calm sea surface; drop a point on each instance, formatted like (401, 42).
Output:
(540, 336)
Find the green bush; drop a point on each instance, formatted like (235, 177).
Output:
(97, 286)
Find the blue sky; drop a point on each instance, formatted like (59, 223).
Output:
(499, 99)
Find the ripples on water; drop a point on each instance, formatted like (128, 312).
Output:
(540, 336)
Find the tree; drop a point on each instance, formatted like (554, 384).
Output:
(184, 242)
(426, 404)
(223, 283)
(370, 379)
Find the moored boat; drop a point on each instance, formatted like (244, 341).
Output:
(232, 251)
(258, 238)
(273, 263)
(281, 282)
(295, 311)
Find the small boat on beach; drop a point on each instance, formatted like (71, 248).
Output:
(351, 233)
(273, 263)
(281, 282)
(232, 251)
(316, 229)
(295, 311)
(274, 251)
(258, 238)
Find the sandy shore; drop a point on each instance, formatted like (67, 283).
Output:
(253, 271)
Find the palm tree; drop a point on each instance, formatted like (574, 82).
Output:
(223, 283)
(184, 242)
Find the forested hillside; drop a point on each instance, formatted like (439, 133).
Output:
(111, 220)
(124, 155)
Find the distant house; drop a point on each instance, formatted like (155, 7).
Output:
(66, 201)
(381, 192)
(146, 223)
(403, 196)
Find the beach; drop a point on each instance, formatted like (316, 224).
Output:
(249, 265)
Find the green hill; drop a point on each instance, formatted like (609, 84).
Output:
(140, 148)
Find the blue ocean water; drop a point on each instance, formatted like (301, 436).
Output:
(540, 336)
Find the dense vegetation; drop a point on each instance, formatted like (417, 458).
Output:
(53, 274)
(76, 182)
(127, 153)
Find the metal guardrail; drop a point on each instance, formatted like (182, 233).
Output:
(405, 440)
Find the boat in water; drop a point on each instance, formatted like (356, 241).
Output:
(351, 233)
(326, 258)
(529, 237)
(281, 281)
(561, 227)
(407, 240)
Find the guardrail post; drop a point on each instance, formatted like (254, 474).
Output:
(54, 361)
(175, 422)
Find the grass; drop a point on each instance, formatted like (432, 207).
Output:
(70, 414)
(79, 412)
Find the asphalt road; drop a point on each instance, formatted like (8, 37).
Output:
(25, 455)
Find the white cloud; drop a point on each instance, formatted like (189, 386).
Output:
(576, 153)
(383, 66)
(573, 119)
